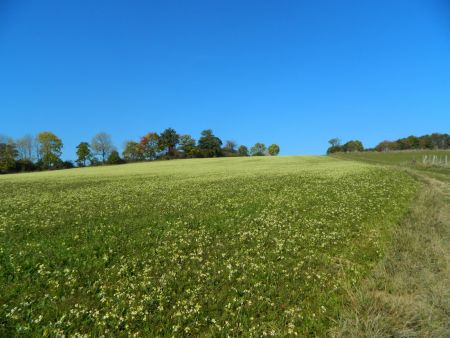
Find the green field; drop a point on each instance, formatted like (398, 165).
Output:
(407, 293)
(216, 247)
(404, 157)
(420, 160)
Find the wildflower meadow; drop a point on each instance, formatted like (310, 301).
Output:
(212, 247)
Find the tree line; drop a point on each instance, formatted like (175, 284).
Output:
(43, 152)
(432, 141)
(336, 146)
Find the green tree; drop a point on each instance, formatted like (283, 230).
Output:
(8, 155)
(114, 158)
(230, 146)
(102, 145)
(440, 141)
(353, 145)
(149, 145)
(243, 150)
(132, 152)
(50, 149)
(334, 142)
(410, 142)
(386, 146)
(274, 149)
(259, 149)
(209, 145)
(25, 165)
(335, 145)
(84, 153)
(425, 142)
(187, 145)
(168, 141)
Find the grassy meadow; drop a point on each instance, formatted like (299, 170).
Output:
(407, 293)
(212, 247)
(402, 157)
(420, 160)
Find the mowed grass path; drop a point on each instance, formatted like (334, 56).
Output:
(407, 293)
(406, 158)
(402, 157)
(212, 247)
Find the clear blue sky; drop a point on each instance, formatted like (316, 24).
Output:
(292, 72)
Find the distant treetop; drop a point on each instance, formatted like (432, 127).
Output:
(43, 152)
(433, 141)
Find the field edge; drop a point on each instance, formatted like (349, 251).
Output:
(407, 292)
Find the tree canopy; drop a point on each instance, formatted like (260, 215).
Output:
(84, 153)
(209, 145)
(274, 149)
(149, 146)
(44, 151)
(50, 149)
(433, 141)
(102, 145)
(168, 141)
(187, 145)
(114, 158)
(259, 149)
(8, 155)
(243, 150)
(350, 146)
(132, 152)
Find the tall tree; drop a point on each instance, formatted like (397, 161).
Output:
(209, 144)
(8, 155)
(243, 150)
(37, 150)
(84, 153)
(50, 149)
(114, 158)
(132, 152)
(149, 145)
(335, 145)
(187, 145)
(102, 145)
(25, 147)
(274, 149)
(168, 140)
(259, 149)
(230, 146)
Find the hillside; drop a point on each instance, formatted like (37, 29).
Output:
(407, 292)
(234, 246)
(433, 163)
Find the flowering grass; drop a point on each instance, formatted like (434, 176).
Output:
(406, 294)
(211, 247)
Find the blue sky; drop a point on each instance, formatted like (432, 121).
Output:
(291, 72)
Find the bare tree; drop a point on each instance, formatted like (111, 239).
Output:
(37, 148)
(25, 147)
(102, 145)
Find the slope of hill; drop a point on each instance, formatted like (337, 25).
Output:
(407, 293)
(235, 246)
(434, 163)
